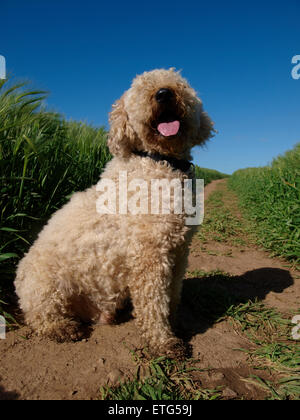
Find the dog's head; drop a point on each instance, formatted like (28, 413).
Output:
(160, 113)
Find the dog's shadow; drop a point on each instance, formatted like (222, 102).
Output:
(207, 299)
(8, 395)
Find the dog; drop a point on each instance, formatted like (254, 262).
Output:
(85, 265)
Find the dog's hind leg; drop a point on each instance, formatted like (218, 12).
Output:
(52, 318)
(45, 308)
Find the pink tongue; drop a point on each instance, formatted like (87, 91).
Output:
(169, 129)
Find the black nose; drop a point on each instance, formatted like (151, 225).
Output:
(163, 95)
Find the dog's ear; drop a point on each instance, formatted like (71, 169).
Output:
(206, 129)
(204, 126)
(121, 136)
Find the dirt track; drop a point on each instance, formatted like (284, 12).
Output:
(36, 368)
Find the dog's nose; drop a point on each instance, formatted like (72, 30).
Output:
(163, 95)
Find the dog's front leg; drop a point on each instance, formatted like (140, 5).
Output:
(150, 289)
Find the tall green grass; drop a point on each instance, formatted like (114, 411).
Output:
(43, 160)
(270, 197)
(208, 175)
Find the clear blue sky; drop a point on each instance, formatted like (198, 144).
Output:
(236, 54)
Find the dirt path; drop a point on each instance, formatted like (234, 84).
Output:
(36, 368)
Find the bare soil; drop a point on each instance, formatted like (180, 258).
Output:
(35, 368)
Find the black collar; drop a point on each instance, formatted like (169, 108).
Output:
(177, 164)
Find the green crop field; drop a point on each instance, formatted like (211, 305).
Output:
(43, 160)
(208, 175)
(270, 197)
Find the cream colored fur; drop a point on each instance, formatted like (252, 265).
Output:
(84, 265)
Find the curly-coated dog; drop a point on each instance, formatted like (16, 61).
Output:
(84, 264)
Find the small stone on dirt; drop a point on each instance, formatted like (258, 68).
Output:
(229, 393)
(114, 376)
(217, 376)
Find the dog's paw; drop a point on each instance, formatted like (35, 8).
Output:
(176, 349)
(173, 349)
(106, 318)
(66, 331)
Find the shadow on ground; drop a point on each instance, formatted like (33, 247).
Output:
(206, 299)
(8, 395)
